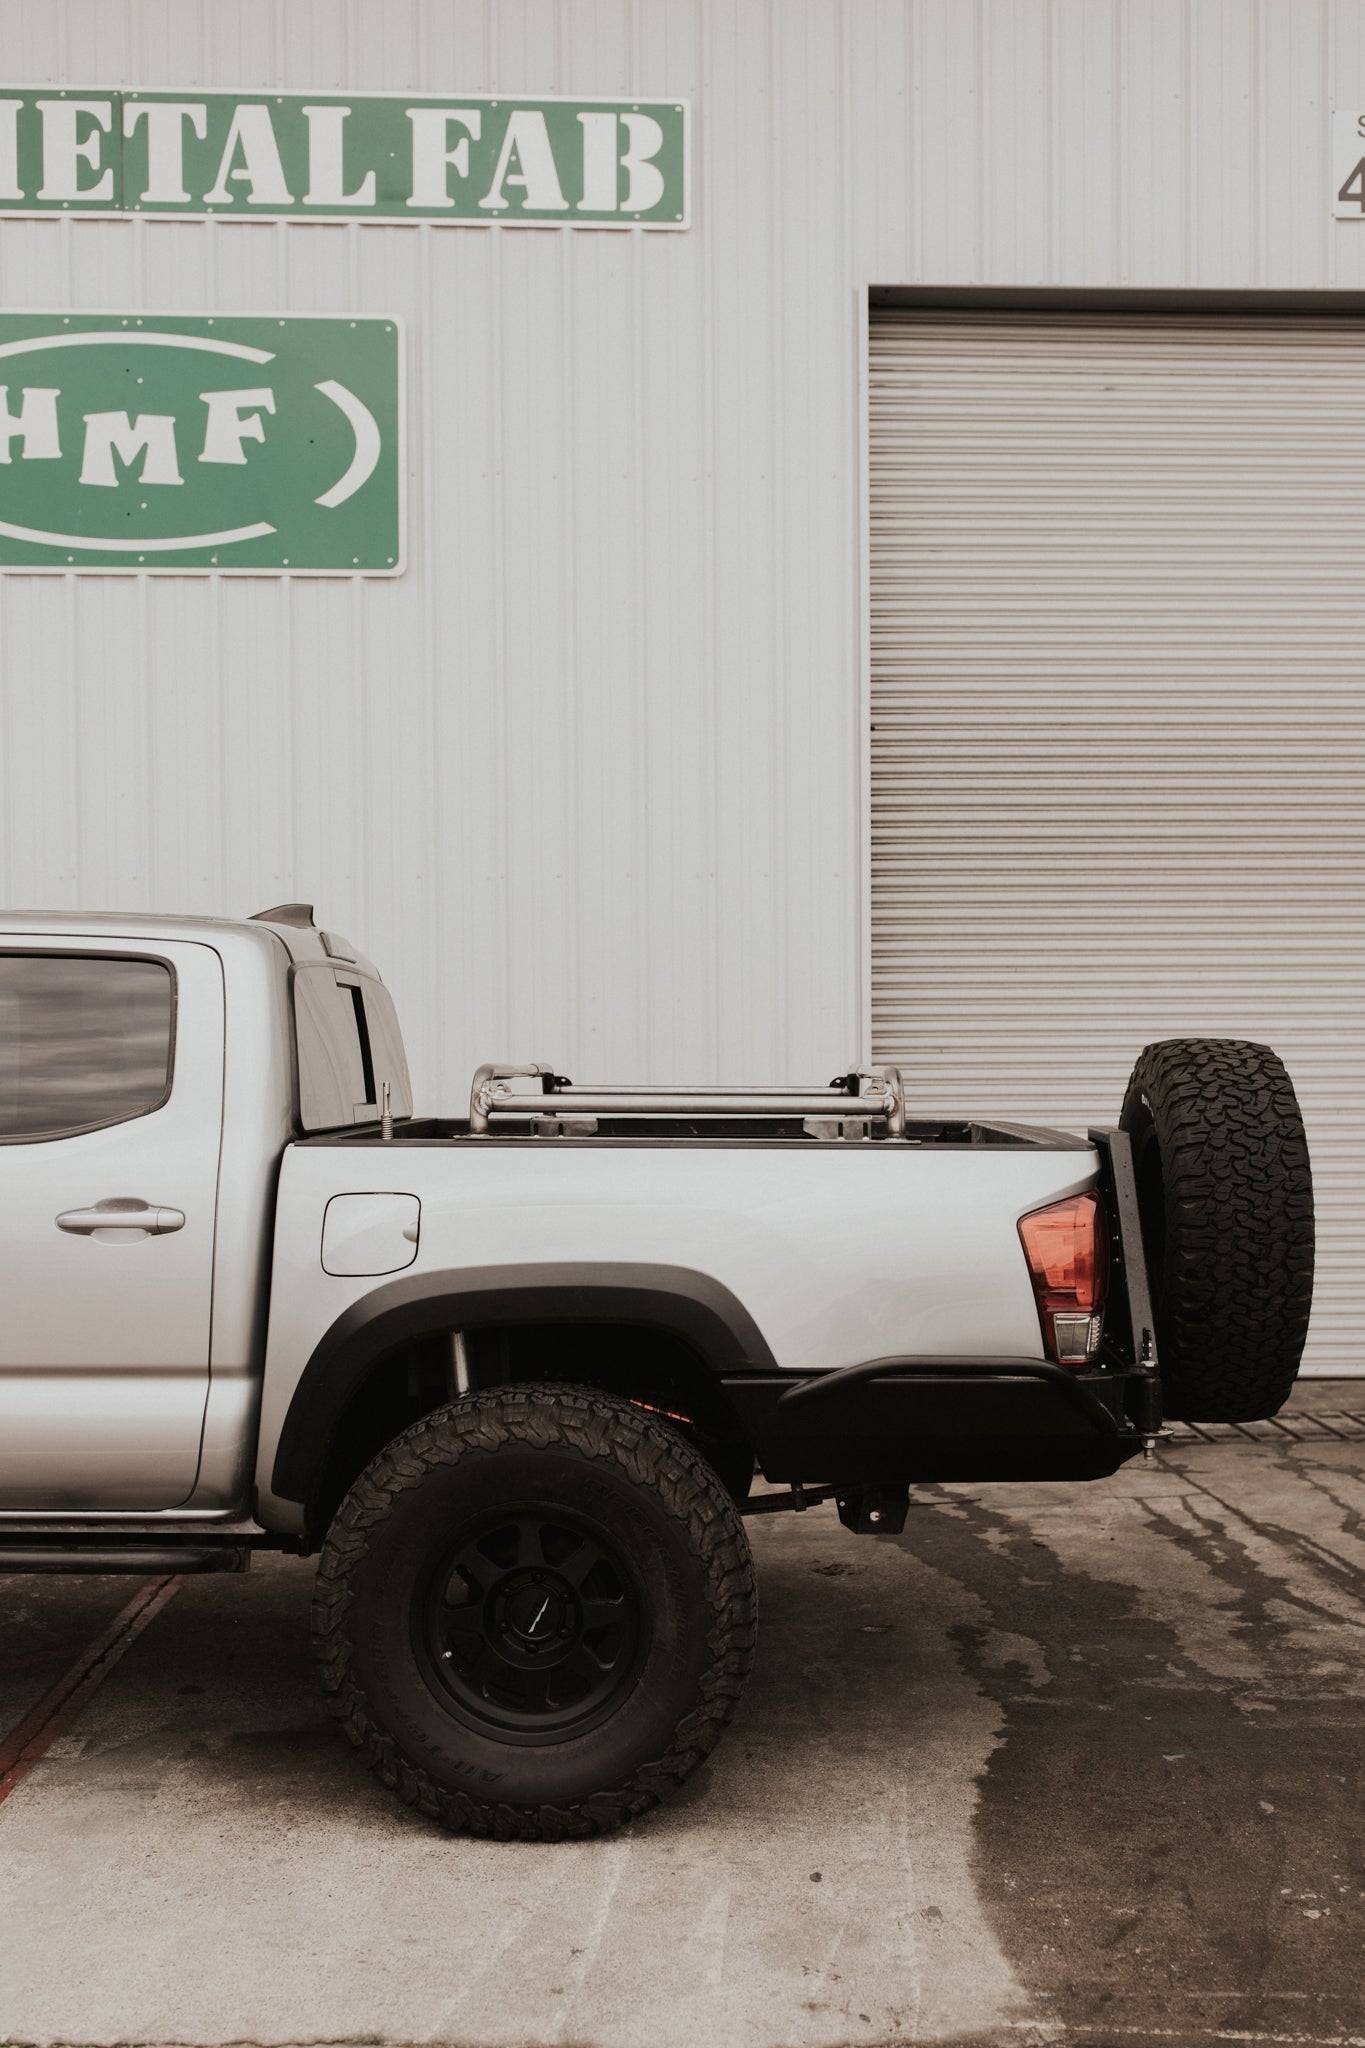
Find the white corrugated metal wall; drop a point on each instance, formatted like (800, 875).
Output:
(635, 487)
(1118, 742)
(585, 780)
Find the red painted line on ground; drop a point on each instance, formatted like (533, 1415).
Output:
(27, 1744)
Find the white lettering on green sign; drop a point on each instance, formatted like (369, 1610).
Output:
(317, 156)
(150, 442)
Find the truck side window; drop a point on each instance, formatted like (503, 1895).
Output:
(388, 1059)
(362, 1033)
(85, 1040)
(348, 1046)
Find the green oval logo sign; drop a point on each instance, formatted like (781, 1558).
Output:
(145, 443)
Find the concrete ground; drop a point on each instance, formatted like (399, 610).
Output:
(1060, 1764)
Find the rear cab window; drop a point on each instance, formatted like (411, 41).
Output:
(349, 1047)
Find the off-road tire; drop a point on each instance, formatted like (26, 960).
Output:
(607, 1463)
(1226, 1195)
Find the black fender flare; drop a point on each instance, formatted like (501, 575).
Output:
(674, 1300)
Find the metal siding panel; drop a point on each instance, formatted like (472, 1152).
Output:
(1081, 201)
(1118, 729)
(690, 868)
(1149, 126)
(1223, 87)
(952, 142)
(1293, 158)
(1016, 139)
(816, 516)
(874, 92)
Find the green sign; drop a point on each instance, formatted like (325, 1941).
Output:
(149, 442)
(461, 158)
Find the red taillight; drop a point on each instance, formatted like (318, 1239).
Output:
(1066, 1249)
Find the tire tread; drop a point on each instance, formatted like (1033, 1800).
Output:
(597, 1426)
(1237, 1286)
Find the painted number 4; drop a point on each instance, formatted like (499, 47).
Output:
(1349, 130)
(1352, 192)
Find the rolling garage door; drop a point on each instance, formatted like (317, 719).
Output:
(1118, 708)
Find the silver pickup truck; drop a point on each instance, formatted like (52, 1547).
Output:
(518, 1376)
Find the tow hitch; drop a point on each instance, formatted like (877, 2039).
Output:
(877, 1510)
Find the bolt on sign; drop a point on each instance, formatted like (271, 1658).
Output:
(150, 443)
(464, 159)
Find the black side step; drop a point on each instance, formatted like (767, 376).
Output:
(143, 1559)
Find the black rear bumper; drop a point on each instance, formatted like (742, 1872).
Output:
(964, 1419)
(909, 1418)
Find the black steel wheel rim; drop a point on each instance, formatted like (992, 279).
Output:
(531, 1624)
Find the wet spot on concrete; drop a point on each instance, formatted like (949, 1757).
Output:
(1137, 1821)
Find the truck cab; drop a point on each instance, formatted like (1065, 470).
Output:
(152, 1071)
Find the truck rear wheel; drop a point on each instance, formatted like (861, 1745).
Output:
(534, 1613)
(1226, 1196)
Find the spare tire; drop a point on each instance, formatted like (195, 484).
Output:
(1225, 1192)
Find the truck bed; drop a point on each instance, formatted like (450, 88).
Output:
(865, 1105)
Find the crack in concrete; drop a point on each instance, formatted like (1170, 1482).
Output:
(1218, 1551)
(1308, 1550)
(1352, 1518)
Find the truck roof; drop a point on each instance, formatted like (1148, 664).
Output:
(289, 924)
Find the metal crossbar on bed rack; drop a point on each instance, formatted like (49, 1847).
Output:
(509, 1093)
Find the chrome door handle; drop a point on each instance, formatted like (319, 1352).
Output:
(122, 1212)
